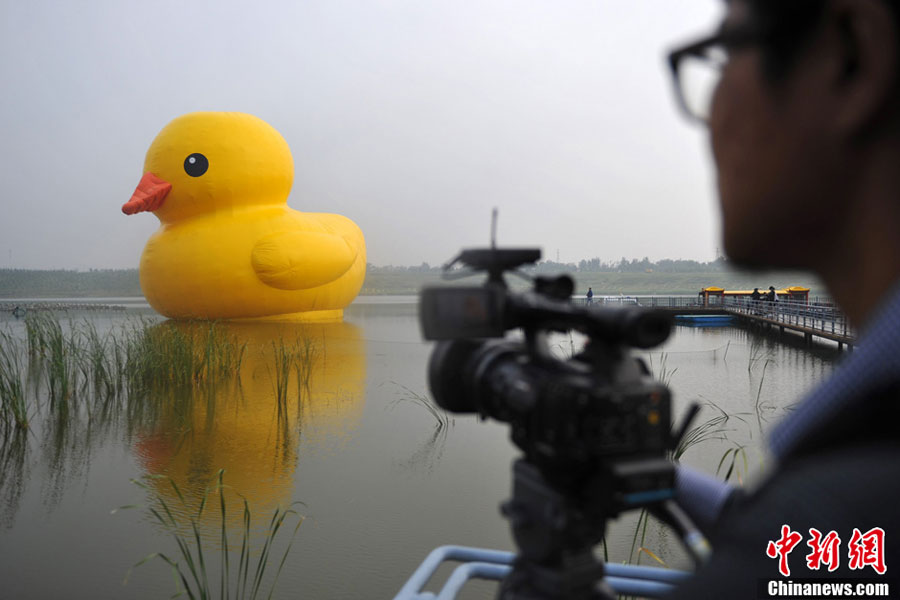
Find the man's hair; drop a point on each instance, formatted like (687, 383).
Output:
(791, 23)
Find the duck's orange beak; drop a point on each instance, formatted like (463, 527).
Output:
(149, 195)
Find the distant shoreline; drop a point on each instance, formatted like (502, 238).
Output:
(124, 283)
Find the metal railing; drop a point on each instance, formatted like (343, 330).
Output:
(651, 301)
(822, 317)
(826, 318)
(480, 563)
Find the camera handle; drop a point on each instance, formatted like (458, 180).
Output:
(555, 536)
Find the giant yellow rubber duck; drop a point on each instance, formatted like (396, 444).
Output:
(228, 245)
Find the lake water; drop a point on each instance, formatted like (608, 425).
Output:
(381, 479)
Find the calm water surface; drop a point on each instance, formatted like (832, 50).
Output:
(381, 481)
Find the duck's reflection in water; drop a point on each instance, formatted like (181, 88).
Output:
(298, 381)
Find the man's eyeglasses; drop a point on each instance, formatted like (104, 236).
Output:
(697, 68)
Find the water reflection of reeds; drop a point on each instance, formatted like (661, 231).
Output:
(297, 358)
(191, 397)
(13, 460)
(430, 450)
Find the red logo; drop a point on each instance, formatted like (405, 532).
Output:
(783, 547)
(867, 549)
(824, 550)
(864, 550)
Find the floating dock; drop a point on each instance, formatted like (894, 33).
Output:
(719, 320)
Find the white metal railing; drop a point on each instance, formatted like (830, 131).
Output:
(651, 301)
(824, 317)
(817, 316)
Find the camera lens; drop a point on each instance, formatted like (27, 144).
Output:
(649, 328)
(447, 375)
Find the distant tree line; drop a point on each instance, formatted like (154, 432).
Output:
(593, 265)
(423, 268)
(20, 283)
(60, 283)
(645, 265)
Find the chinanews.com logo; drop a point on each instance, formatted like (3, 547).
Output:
(864, 552)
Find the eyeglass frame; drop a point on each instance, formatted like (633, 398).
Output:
(729, 38)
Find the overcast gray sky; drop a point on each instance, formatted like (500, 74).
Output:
(411, 117)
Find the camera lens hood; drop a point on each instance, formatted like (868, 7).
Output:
(446, 375)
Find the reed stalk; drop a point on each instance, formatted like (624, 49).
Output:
(307, 353)
(295, 357)
(77, 372)
(242, 579)
(441, 417)
(60, 366)
(758, 403)
(96, 360)
(13, 407)
(733, 454)
(37, 325)
(284, 358)
(665, 374)
(639, 530)
(713, 428)
(179, 356)
(13, 468)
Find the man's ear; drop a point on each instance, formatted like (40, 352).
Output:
(867, 67)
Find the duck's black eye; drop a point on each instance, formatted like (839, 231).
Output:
(196, 164)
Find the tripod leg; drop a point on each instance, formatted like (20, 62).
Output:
(555, 539)
(579, 578)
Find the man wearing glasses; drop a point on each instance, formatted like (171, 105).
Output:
(802, 102)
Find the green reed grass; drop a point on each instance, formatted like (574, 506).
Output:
(640, 530)
(58, 351)
(14, 461)
(243, 568)
(13, 407)
(758, 354)
(143, 368)
(50, 352)
(179, 355)
(37, 329)
(96, 361)
(283, 357)
(307, 352)
(432, 448)
(441, 417)
(295, 357)
(665, 374)
(734, 458)
(714, 428)
(78, 380)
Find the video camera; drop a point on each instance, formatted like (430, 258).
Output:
(595, 428)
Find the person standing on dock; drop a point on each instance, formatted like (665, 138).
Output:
(770, 295)
(590, 296)
(803, 110)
